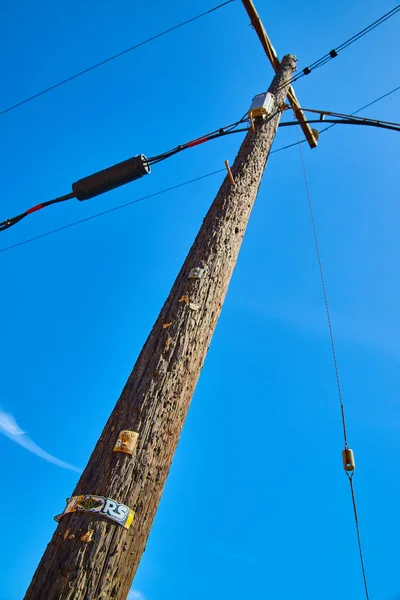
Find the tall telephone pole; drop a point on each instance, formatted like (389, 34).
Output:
(91, 556)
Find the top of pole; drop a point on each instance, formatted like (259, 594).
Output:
(274, 60)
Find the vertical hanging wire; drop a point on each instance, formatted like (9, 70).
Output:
(335, 362)
(327, 309)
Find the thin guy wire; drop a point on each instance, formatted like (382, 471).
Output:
(110, 210)
(363, 107)
(110, 58)
(376, 100)
(289, 146)
(327, 309)
(353, 498)
(350, 476)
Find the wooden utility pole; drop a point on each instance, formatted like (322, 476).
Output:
(91, 557)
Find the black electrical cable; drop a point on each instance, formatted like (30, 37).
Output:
(98, 187)
(334, 52)
(369, 28)
(345, 122)
(110, 58)
(110, 210)
(10, 222)
(322, 113)
(365, 106)
(98, 183)
(334, 124)
(228, 130)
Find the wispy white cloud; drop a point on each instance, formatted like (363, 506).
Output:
(135, 595)
(9, 427)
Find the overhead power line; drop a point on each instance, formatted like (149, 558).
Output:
(330, 113)
(110, 210)
(345, 120)
(333, 125)
(113, 57)
(342, 121)
(396, 89)
(348, 457)
(320, 62)
(120, 174)
(137, 166)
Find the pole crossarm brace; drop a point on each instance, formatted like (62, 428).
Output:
(274, 60)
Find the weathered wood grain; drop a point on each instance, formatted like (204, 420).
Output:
(156, 397)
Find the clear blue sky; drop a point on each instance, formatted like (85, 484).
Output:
(257, 504)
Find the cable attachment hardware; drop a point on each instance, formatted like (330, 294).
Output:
(348, 460)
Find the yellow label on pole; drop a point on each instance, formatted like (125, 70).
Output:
(126, 442)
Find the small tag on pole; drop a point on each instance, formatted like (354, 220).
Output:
(126, 442)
